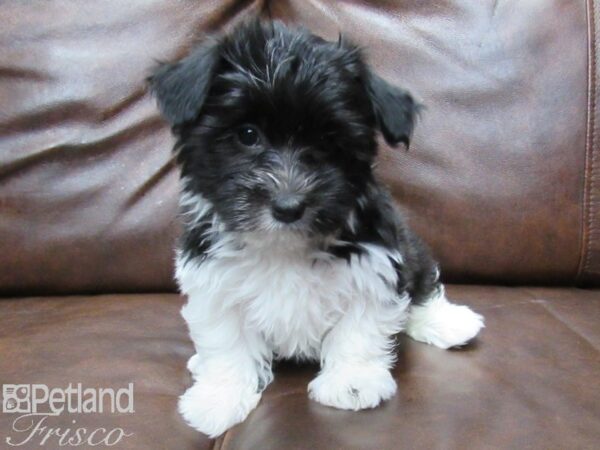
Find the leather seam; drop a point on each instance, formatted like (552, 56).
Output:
(219, 443)
(593, 175)
(588, 198)
(547, 305)
(222, 441)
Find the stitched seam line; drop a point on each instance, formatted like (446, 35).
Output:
(586, 222)
(592, 234)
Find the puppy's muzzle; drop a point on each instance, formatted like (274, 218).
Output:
(287, 208)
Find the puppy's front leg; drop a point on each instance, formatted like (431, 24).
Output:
(230, 369)
(356, 357)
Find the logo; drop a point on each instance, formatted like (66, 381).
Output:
(16, 398)
(36, 406)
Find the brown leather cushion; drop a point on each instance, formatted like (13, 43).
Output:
(87, 188)
(495, 180)
(530, 381)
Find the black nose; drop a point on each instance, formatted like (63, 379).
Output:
(287, 209)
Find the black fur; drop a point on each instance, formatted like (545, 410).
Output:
(315, 106)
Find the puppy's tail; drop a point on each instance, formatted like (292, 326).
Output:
(443, 324)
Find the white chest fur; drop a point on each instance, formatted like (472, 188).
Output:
(285, 290)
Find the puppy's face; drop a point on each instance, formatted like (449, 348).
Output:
(276, 127)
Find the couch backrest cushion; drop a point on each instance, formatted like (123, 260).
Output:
(499, 180)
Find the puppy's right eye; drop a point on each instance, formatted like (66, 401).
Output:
(248, 136)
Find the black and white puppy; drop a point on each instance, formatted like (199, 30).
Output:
(291, 247)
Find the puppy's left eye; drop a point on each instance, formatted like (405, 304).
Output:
(248, 136)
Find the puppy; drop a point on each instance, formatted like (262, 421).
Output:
(291, 247)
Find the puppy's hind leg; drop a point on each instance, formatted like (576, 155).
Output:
(438, 322)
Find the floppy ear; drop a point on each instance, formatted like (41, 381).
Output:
(395, 110)
(181, 87)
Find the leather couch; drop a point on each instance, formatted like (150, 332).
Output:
(502, 180)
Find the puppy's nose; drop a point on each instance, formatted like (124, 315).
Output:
(287, 209)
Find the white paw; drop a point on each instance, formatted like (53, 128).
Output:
(443, 324)
(213, 406)
(352, 387)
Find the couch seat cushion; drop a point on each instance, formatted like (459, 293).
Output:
(532, 380)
